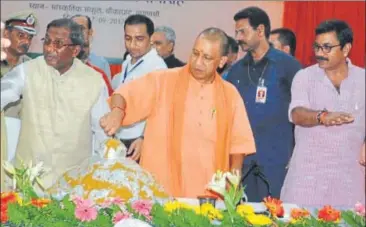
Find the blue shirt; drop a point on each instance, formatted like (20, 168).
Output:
(101, 63)
(273, 133)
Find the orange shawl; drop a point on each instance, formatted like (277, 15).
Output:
(224, 121)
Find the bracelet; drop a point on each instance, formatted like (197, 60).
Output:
(320, 115)
(118, 107)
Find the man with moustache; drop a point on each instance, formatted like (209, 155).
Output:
(141, 59)
(263, 78)
(5, 42)
(20, 30)
(328, 109)
(64, 100)
(197, 122)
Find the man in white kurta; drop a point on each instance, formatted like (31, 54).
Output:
(61, 110)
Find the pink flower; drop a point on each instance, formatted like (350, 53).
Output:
(77, 200)
(106, 203)
(112, 201)
(142, 207)
(117, 201)
(360, 209)
(85, 211)
(120, 216)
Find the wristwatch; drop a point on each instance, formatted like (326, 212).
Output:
(320, 114)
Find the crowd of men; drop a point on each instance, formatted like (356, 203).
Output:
(295, 133)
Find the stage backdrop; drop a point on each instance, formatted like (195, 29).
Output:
(188, 18)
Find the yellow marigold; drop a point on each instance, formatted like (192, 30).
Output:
(175, 205)
(244, 210)
(171, 206)
(211, 212)
(258, 220)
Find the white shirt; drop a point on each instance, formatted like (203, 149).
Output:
(13, 84)
(148, 63)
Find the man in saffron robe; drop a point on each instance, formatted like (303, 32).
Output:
(196, 121)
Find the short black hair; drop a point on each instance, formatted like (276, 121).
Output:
(286, 38)
(87, 18)
(233, 45)
(140, 19)
(341, 28)
(76, 30)
(256, 16)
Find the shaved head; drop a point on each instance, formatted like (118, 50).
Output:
(216, 35)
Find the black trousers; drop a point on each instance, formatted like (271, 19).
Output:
(128, 143)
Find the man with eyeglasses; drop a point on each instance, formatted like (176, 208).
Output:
(141, 59)
(63, 100)
(328, 109)
(20, 28)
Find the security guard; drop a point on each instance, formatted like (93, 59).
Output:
(20, 28)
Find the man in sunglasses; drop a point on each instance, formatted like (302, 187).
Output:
(328, 109)
(63, 100)
(20, 28)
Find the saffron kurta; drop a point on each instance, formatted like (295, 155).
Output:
(60, 113)
(149, 98)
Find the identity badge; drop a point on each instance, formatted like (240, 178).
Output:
(261, 94)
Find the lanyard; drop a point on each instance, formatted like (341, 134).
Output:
(125, 75)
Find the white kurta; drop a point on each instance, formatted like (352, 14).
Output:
(60, 113)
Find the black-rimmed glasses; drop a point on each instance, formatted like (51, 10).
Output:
(58, 44)
(325, 49)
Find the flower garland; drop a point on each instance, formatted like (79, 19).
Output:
(25, 208)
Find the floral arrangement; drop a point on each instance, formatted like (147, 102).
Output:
(25, 177)
(17, 210)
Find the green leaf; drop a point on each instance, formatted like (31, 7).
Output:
(352, 219)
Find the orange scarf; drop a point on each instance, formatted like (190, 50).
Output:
(224, 121)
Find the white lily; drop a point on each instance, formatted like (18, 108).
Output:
(218, 183)
(36, 171)
(9, 168)
(234, 178)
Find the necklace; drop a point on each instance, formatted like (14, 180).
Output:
(261, 77)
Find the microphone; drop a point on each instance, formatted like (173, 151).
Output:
(257, 172)
(253, 165)
(261, 175)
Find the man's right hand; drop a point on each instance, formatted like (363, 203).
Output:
(111, 122)
(337, 118)
(4, 43)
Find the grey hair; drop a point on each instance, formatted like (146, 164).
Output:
(168, 31)
(216, 34)
(76, 30)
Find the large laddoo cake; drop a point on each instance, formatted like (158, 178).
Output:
(109, 174)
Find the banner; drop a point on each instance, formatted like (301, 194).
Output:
(187, 18)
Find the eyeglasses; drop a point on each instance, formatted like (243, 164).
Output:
(325, 49)
(57, 44)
